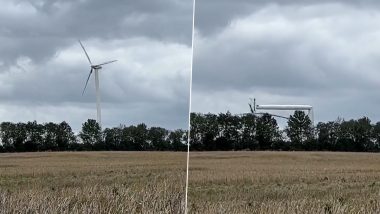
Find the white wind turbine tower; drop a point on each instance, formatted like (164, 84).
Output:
(95, 68)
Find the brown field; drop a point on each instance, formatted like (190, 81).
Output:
(220, 182)
(284, 182)
(92, 182)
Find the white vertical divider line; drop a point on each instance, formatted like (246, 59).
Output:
(189, 126)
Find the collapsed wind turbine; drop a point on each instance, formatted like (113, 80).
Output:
(95, 68)
(307, 108)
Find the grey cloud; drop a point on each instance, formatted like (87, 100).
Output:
(48, 26)
(213, 15)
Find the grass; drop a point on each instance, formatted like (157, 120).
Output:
(92, 182)
(284, 182)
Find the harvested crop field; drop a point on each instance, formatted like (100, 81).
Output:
(284, 182)
(92, 182)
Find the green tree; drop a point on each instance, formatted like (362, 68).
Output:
(158, 138)
(140, 137)
(135, 138)
(300, 130)
(113, 138)
(376, 136)
(197, 131)
(50, 137)
(209, 131)
(356, 135)
(363, 135)
(346, 138)
(8, 136)
(229, 126)
(328, 135)
(267, 131)
(34, 140)
(178, 140)
(20, 136)
(248, 134)
(66, 139)
(91, 134)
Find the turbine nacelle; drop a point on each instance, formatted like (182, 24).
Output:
(96, 67)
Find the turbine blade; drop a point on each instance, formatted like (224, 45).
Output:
(108, 62)
(273, 115)
(250, 107)
(89, 75)
(89, 60)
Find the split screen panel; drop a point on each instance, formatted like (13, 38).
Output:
(189, 107)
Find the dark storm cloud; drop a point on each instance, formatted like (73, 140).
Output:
(38, 29)
(43, 68)
(214, 15)
(323, 53)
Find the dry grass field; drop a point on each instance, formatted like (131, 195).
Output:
(92, 182)
(284, 182)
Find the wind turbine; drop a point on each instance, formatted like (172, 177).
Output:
(95, 68)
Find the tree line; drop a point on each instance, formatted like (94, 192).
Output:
(209, 132)
(33, 136)
(224, 131)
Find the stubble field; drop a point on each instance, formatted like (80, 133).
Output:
(220, 182)
(284, 182)
(92, 182)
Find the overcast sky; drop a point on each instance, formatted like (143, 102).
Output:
(43, 68)
(321, 53)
